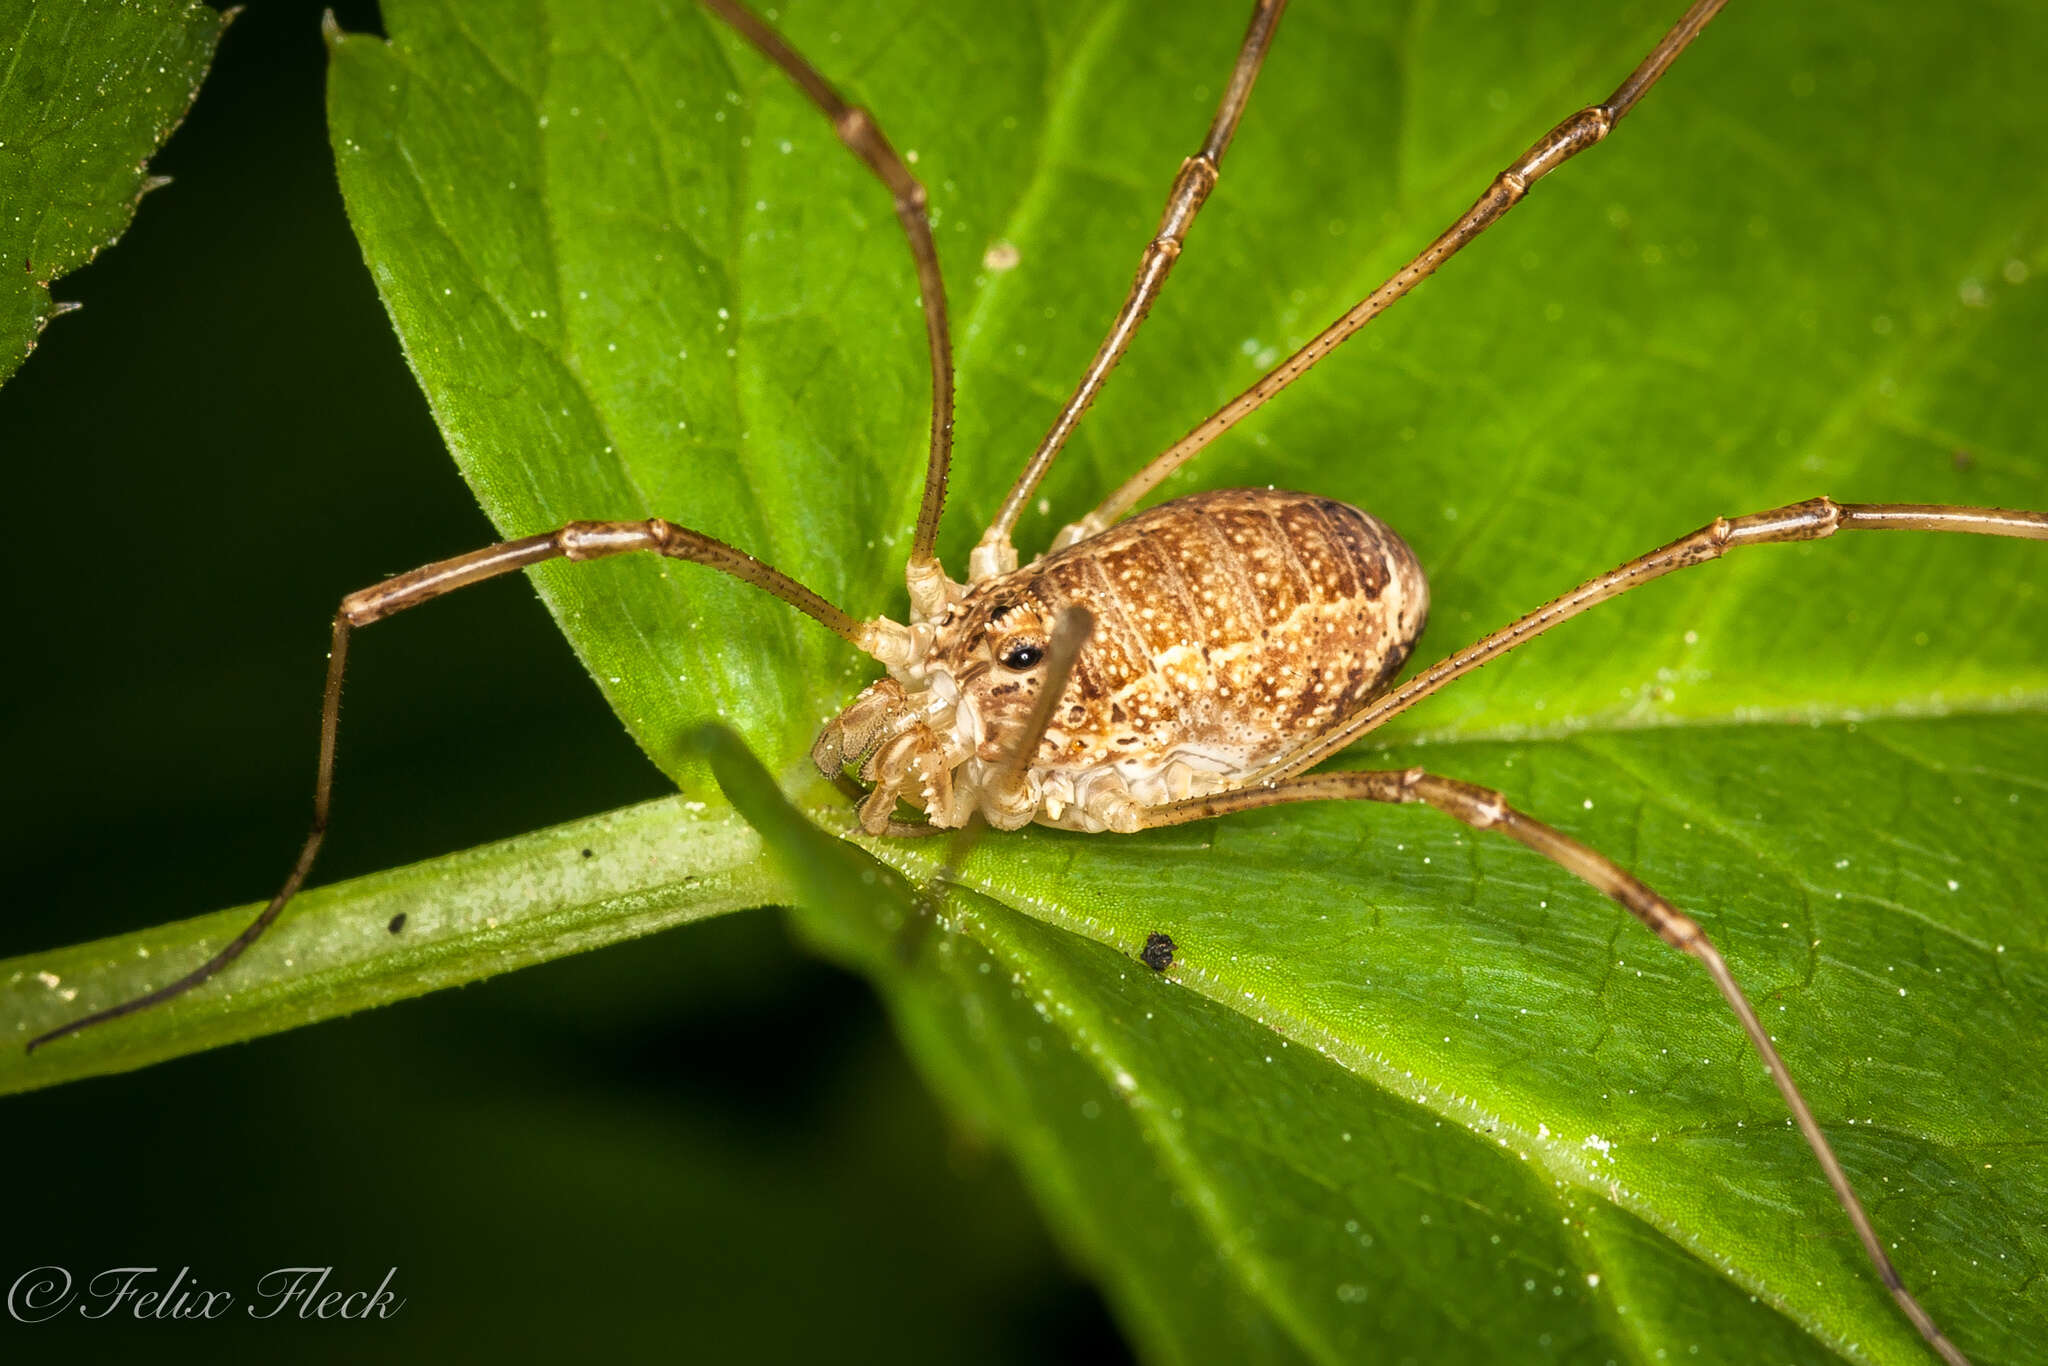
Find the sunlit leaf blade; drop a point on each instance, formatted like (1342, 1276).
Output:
(559, 276)
(1508, 1057)
(87, 95)
(636, 276)
(681, 297)
(1704, 317)
(1269, 1163)
(384, 938)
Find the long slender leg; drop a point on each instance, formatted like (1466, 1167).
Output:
(1483, 809)
(1813, 520)
(1550, 151)
(857, 128)
(576, 541)
(995, 554)
(1070, 632)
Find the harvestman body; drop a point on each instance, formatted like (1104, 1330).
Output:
(1230, 630)
(1192, 661)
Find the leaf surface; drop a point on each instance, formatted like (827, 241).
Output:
(87, 95)
(388, 937)
(1408, 1090)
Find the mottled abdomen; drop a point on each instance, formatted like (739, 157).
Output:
(1231, 629)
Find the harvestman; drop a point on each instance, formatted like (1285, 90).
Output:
(1189, 662)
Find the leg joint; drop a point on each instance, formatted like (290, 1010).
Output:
(856, 128)
(363, 606)
(595, 540)
(1488, 808)
(1672, 925)
(1198, 168)
(1815, 519)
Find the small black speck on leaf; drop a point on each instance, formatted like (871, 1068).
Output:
(397, 922)
(586, 853)
(1157, 953)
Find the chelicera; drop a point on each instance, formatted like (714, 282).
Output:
(1192, 660)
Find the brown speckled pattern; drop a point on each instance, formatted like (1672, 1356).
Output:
(1231, 628)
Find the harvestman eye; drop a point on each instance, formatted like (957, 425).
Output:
(1291, 587)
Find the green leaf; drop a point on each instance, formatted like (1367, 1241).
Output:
(87, 95)
(1426, 1089)
(673, 294)
(703, 312)
(1408, 1091)
(388, 937)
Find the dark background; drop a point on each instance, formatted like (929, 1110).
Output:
(704, 1143)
